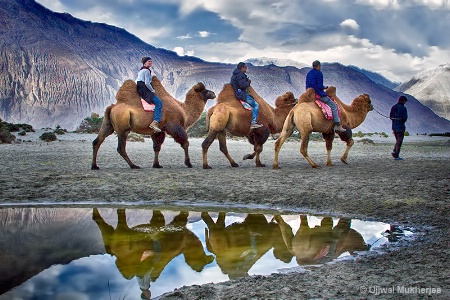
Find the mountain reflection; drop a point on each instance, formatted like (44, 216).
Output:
(125, 253)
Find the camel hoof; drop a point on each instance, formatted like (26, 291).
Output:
(94, 167)
(260, 165)
(247, 156)
(315, 166)
(189, 165)
(157, 166)
(234, 165)
(207, 167)
(330, 165)
(135, 167)
(344, 161)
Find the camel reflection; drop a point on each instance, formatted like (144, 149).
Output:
(238, 246)
(323, 243)
(143, 251)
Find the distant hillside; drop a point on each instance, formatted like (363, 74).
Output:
(57, 70)
(377, 77)
(432, 88)
(266, 61)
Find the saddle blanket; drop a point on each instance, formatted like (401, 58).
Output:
(147, 106)
(246, 105)
(326, 109)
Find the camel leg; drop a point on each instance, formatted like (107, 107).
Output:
(258, 150)
(348, 138)
(328, 137)
(304, 149)
(223, 148)
(121, 148)
(344, 156)
(180, 136)
(249, 156)
(257, 138)
(205, 146)
(285, 133)
(158, 140)
(286, 231)
(105, 131)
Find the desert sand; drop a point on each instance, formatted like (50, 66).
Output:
(414, 192)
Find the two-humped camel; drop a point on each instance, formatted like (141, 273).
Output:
(308, 117)
(128, 115)
(229, 114)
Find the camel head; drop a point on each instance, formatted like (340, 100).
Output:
(308, 96)
(364, 102)
(287, 99)
(204, 93)
(331, 92)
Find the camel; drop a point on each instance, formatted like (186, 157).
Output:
(308, 117)
(229, 114)
(238, 246)
(148, 248)
(321, 244)
(127, 114)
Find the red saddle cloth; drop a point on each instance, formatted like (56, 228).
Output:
(326, 109)
(147, 106)
(246, 105)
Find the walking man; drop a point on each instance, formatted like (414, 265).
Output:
(398, 115)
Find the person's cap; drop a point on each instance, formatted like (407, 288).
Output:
(240, 65)
(316, 63)
(145, 59)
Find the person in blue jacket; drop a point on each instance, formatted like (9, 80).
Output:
(398, 115)
(240, 83)
(146, 91)
(314, 79)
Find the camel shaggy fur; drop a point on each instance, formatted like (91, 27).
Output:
(308, 117)
(128, 115)
(229, 114)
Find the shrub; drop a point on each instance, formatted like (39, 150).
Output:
(5, 135)
(199, 128)
(59, 130)
(90, 124)
(48, 136)
(135, 137)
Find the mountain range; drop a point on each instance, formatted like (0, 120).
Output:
(57, 70)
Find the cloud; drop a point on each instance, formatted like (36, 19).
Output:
(379, 32)
(184, 37)
(350, 24)
(181, 52)
(204, 34)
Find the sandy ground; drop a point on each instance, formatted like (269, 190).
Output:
(413, 192)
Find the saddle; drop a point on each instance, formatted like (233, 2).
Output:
(326, 109)
(147, 106)
(246, 105)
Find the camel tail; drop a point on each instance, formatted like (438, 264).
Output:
(106, 126)
(289, 125)
(208, 117)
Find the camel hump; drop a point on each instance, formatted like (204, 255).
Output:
(308, 96)
(227, 95)
(128, 93)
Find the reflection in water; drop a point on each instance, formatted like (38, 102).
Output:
(143, 251)
(158, 250)
(323, 243)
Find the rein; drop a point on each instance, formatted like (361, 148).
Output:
(386, 116)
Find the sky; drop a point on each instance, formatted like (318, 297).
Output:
(396, 38)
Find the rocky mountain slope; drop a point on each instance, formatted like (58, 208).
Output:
(432, 88)
(57, 70)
